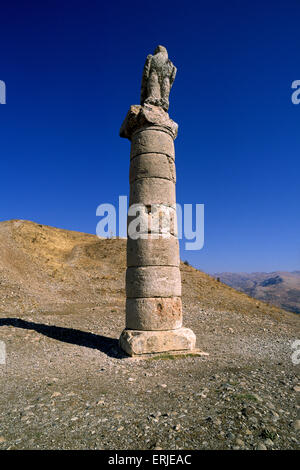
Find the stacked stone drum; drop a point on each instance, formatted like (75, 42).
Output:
(153, 282)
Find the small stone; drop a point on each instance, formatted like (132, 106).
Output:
(228, 387)
(203, 394)
(247, 411)
(253, 420)
(2, 439)
(239, 442)
(153, 445)
(55, 394)
(275, 416)
(269, 442)
(217, 422)
(261, 446)
(297, 388)
(270, 405)
(297, 425)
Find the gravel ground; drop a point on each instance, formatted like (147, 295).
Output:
(65, 384)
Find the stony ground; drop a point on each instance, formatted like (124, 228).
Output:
(65, 385)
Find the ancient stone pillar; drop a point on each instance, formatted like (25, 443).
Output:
(153, 282)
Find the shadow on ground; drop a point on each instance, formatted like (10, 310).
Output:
(109, 346)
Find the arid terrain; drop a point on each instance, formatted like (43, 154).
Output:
(66, 385)
(279, 288)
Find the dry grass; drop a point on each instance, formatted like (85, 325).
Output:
(48, 269)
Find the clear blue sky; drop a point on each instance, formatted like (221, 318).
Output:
(72, 70)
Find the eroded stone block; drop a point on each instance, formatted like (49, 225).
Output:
(154, 313)
(139, 117)
(152, 140)
(153, 252)
(156, 219)
(152, 165)
(135, 342)
(152, 191)
(150, 281)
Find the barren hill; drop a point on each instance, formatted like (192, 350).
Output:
(49, 270)
(65, 384)
(278, 288)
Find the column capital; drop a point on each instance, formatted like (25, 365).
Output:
(147, 116)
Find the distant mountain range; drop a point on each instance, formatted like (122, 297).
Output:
(279, 288)
(48, 271)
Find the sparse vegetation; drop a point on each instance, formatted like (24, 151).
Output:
(268, 434)
(246, 397)
(66, 385)
(172, 357)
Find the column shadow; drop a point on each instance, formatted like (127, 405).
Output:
(109, 346)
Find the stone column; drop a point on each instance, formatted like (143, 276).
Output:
(153, 282)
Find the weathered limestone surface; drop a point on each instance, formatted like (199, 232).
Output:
(159, 313)
(147, 116)
(152, 140)
(146, 342)
(149, 281)
(153, 252)
(152, 165)
(158, 77)
(153, 282)
(152, 191)
(154, 219)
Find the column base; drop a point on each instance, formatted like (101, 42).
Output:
(135, 342)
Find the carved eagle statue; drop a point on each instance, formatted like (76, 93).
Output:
(158, 77)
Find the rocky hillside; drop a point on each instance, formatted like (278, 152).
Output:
(66, 385)
(278, 288)
(50, 270)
